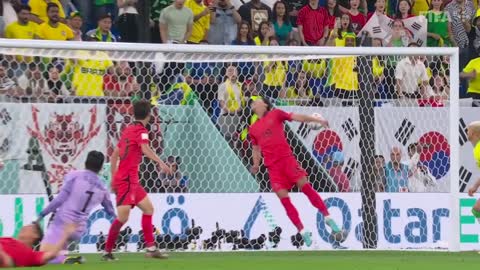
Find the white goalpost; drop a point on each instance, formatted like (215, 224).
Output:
(59, 100)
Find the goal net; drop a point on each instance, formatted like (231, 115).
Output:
(383, 167)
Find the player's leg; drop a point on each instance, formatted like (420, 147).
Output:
(317, 202)
(292, 212)
(476, 210)
(123, 212)
(145, 204)
(53, 236)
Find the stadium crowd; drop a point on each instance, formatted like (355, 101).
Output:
(224, 89)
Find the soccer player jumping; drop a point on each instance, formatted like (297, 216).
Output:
(133, 142)
(473, 134)
(82, 191)
(268, 139)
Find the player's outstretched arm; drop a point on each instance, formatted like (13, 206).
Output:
(68, 230)
(108, 205)
(257, 158)
(308, 118)
(60, 198)
(147, 151)
(474, 189)
(114, 161)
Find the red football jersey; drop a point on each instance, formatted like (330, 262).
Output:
(358, 22)
(21, 254)
(130, 149)
(268, 133)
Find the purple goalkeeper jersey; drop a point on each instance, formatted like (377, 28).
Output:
(81, 192)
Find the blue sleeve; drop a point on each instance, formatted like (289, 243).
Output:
(61, 197)
(107, 205)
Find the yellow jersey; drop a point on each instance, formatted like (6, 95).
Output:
(88, 74)
(473, 85)
(61, 32)
(476, 153)
(39, 8)
(20, 31)
(201, 26)
(342, 74)
(277, 74)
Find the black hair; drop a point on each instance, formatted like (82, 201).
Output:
(286, 17)
(398, 14)
(141, 109)
(380, 156)
(37, 227)
(413, 44)
(19, 8)
(260, 35)
(94, 161)
(52, 5)
(412, 147)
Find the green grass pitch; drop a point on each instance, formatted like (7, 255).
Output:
(321, 260)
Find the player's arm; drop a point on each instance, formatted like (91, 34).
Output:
(474, 188)
(309, 119)
(57, 247)
(114, 161)
(108, 205)
(60, 198)
(5, 260)
(257, 158)
(148, 152)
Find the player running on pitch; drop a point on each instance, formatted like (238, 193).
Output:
(133, 142)
(268, 139)
(19, 252)
(82, 191)
(473, 134)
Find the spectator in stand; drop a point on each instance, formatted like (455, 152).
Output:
(461, 14)
(128, 20)
(420, 179)
(201, 20)
(275, 74)
(438, 26)
(176, 23)
(404, 10)
(342, 28)
(156, 8)
(103, 31)
(379, 9)
(358, 19)
(88, 73)
(281, 23)
(224, 22)
(300, 93)
(255, 12)
(411, 76)
(244, 37)
(23, 28)
(401, 36)
(293, 7)
(40, 9)
(396, 173)
(312, 22)
(122, 83)
(265, 32)
(337, 174)
(333, 12)
(474, 36)
(343, 77)
(230, 97)
(53, 29)
(54, 83)
(379, 173)
(472, 73)
(33, 83)
(75, 21)
(8, 87)
(420, 7)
